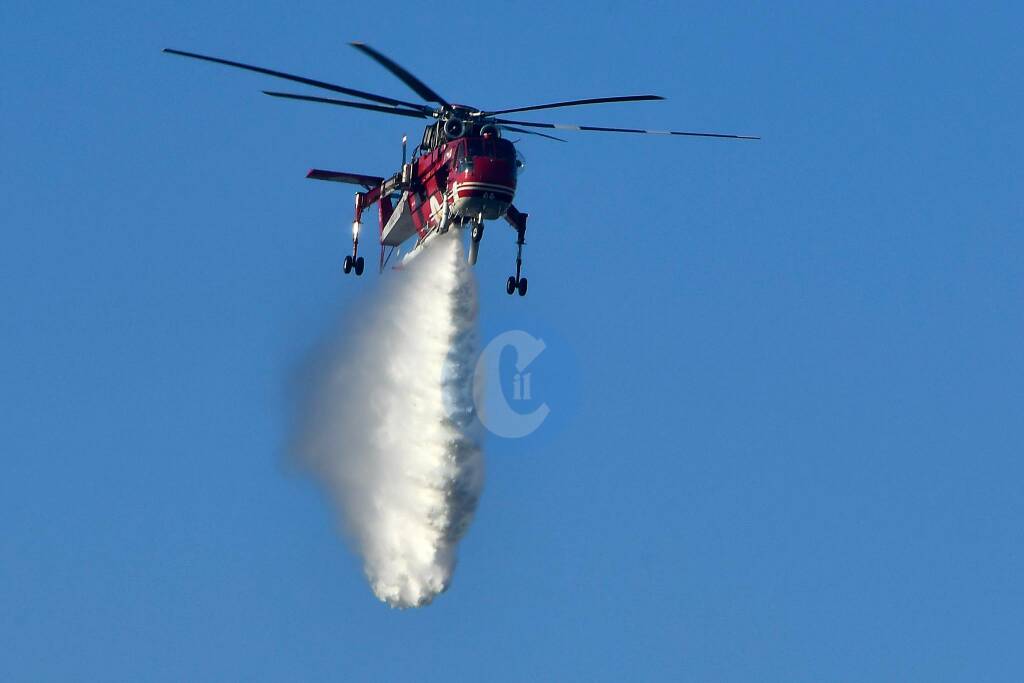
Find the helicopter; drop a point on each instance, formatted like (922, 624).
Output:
(463, 172)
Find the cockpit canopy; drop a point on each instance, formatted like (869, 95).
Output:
(493, 147)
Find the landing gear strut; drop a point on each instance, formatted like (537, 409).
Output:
(355, 261)
(474, 243)
(517, 283)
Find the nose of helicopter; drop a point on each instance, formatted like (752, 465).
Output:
(485, 179)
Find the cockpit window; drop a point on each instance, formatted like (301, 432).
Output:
(465, 156)
(503, 149)
(495, 148)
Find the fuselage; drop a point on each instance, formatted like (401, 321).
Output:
(463, 171)
(484, 180)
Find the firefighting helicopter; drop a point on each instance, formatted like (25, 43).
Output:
(462, 173)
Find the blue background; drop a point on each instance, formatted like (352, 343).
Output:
(796, 452)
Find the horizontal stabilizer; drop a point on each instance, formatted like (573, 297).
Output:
(367, 181)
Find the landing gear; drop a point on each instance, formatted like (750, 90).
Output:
(476, 235)
(517, 282)
(513, 285)
(349, 264)
(517, 219)
(355, 261)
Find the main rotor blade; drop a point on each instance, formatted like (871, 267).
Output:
(301, 79)
(576, 103)
(346, 103)
(418, 86)
(532, 132)
(605, 129)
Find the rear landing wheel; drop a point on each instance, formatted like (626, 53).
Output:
(510, 286)
(522, 286)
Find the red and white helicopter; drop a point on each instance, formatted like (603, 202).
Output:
(464, 172)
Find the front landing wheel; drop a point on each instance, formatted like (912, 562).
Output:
(510, 286)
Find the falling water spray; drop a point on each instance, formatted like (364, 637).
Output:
(391, 429)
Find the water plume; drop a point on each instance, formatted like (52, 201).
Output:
(390, 426)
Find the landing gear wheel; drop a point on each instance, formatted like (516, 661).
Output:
(346, 265)
(478, 232)
(522, 286)
(510, 286)
(359, 265)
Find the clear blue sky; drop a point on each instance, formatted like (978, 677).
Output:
(796, 449)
